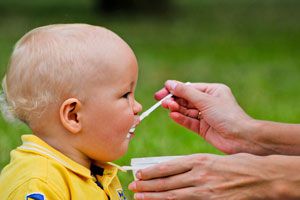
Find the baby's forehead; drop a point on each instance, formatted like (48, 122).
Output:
(74, 43)
(51, 61)
(75, 50)
(69, 35)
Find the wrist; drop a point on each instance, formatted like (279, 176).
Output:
(266, 138)
(249, 136)
(259, 137)
(283, 176)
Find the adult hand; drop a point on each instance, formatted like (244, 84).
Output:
(206, 176)
(221, 122)
(224, 124)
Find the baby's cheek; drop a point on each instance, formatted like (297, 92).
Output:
(129, 120)
(130, 113)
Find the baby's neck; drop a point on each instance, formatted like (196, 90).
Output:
(64, 145)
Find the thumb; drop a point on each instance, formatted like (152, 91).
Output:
(188, 92)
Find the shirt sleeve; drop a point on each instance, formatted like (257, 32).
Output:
(36, 189)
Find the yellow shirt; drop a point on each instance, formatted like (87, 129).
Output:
(39, 172)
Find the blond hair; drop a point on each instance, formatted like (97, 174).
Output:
(43, 61)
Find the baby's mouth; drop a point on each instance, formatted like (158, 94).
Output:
(130, 134)
(132, 129)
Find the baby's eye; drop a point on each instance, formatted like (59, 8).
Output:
(126, 95)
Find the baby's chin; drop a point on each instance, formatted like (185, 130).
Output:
(122, 152)
(113, 155)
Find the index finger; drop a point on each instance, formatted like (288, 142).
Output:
(202, 87)
(172, 167)
(161, 94)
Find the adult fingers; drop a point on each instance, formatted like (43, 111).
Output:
(175, 103)
(203, 87)
(161, 94)
(178, 194)
(172, 167)
(170, 104)
(163, 184)
(187, 92)
(188, 122)
(175, 107)
(164, 92)
(208, 88)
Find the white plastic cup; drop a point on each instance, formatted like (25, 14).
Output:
(141, 163)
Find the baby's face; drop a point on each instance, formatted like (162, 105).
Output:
(111, 109)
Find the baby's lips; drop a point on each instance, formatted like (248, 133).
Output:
(137, 120)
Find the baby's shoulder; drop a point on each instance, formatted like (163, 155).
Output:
(35, 188)
(29, 173)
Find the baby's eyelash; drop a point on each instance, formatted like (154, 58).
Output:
(126, 95)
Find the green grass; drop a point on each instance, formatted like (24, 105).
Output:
(252, 46)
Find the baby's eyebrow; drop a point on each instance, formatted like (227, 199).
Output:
(131, 85)
(126, 87)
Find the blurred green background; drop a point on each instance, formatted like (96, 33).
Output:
(250, 45)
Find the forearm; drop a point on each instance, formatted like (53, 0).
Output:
(206, 176)
(265, 138)
(285, 181)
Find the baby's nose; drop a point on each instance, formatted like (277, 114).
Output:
(137, 107)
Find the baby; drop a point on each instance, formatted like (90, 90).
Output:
(73, 85)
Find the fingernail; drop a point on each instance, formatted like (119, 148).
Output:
(172, 84)
(167, 101)
(138, 175)
(138, 196)
(132, 186)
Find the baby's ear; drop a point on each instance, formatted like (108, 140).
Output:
(70, 115)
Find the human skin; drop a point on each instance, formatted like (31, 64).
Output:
(91, 126)
(232, 177)
(111, 109)
(225, 125)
